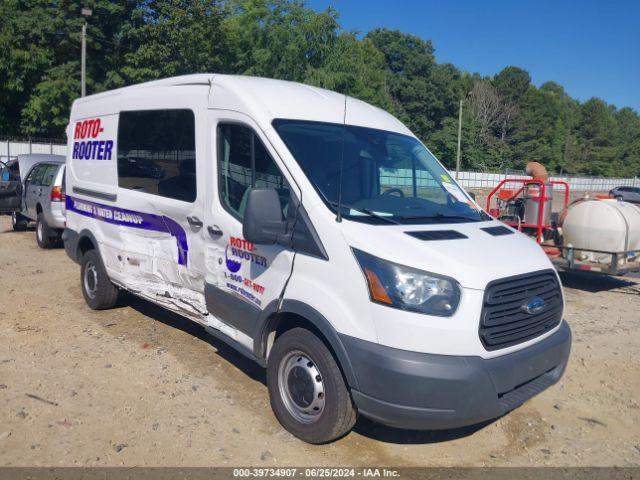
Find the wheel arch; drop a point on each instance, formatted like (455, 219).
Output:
(86, 241)
(291, 314)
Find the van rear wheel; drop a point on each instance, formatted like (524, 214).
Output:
(97, 289)
(307, 391)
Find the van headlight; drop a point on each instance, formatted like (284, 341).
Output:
(407, 288)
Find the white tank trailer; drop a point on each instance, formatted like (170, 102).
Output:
(601, 226)
(591, 234)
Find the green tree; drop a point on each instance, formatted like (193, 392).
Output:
(47, 110)
(627, 139)
(355, 68)
(598, 152)
(410, 66)
(173, 37)
(40, 43)
(278, 38)
(513, 83)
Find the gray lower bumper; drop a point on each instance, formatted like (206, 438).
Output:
(423, 391)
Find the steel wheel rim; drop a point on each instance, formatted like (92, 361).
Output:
(90, 280)
(14, 219)
(39, 232)
(301, 387)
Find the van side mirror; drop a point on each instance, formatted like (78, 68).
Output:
(263, 222)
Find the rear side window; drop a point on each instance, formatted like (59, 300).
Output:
(244, 162)
(36, 175)
(157, 153)
(49, 174)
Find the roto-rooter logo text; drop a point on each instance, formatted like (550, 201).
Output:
(86, 148)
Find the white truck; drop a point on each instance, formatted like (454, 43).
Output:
(318, 236)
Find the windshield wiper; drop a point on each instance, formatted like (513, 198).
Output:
(441, 216)
(366, 211)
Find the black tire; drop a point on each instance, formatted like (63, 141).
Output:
(619, 198)
(18, 222)
(43, 233)
(337, 415)
(58, 238)
(97, 289)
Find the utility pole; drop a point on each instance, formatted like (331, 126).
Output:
(459, 139)
(86, 12)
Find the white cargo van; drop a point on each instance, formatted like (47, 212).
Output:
(319, 237)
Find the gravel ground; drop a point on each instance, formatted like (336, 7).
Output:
(139, 386)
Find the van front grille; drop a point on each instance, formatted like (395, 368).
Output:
(506, 319)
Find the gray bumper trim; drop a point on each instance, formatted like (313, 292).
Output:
(424, 391)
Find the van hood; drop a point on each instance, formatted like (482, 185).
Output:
(473, 261)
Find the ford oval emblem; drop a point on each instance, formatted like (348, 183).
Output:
(534, 305)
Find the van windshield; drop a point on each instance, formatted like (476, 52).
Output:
(387, 177)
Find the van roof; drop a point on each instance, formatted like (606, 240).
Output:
(266, 99)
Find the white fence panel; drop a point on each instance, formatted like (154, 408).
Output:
(10, 149)
(470, 180)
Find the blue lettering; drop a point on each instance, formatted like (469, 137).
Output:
(93, 150)
(100, 150)
(108, 145)
(90, 150)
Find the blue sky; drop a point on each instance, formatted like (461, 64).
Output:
(592, 48)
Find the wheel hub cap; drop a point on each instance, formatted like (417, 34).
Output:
(91, 280)
(301, 387)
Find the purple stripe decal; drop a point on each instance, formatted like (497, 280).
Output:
(133, 219)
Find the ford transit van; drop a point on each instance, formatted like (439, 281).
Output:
(318, 236)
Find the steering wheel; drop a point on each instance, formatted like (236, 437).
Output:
(394, 190)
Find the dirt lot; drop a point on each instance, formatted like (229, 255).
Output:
(139, 386)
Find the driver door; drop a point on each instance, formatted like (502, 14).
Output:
(10, 189)
(243, 279)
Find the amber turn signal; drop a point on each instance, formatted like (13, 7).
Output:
(375, 286)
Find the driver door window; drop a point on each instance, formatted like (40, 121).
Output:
(243, 163)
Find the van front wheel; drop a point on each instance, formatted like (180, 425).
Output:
(97, 289)
(307, 391)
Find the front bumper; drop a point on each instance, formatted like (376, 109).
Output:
(424, 391)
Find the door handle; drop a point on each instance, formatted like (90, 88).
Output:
(214, 231)
(194, 221)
